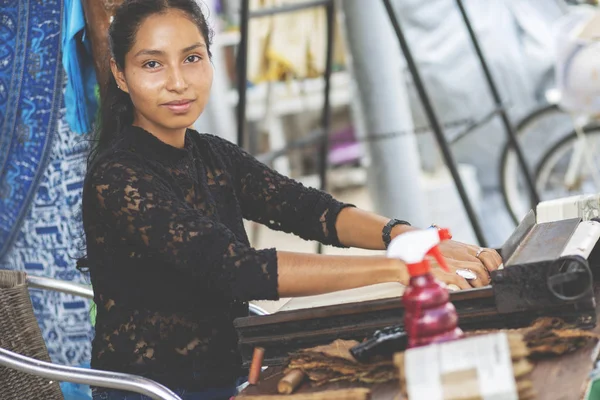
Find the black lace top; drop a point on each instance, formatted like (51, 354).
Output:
(169, 258)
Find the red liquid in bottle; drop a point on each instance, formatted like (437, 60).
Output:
(429, 316)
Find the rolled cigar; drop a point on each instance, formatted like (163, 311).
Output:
(518, 348)
(344, 394)
(524, 385)
(528, 394)
(522, 368)
(290, 381)
(256, 365)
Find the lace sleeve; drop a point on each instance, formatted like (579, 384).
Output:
(145, 212)
(282, 203)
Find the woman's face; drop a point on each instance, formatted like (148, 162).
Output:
(167, 73)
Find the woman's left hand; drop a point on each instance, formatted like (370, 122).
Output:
(478, 260)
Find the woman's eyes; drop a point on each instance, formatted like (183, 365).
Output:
(155, 64)
(151, 64)
(193, 58)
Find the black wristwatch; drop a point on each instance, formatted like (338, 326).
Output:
(387, 230)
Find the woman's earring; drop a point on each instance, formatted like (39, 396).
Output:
(118, 87)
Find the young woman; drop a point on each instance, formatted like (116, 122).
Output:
(170, 262)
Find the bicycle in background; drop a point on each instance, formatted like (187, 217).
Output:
(561, 140)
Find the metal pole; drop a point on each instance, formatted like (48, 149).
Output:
(242, 71)
(394, 168)
(435, 125)
(326, 116)
(535, 198)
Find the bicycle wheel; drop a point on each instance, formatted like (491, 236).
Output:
(551, 174)
(536, 133)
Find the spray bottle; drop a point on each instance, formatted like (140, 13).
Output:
(429, 317)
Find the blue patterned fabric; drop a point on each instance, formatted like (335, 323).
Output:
(48, 242)
(42, 165)
(30, 79)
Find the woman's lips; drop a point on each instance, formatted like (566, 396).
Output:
(179, 107)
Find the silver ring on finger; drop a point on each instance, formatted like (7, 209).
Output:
(481, 250)
(466, 273)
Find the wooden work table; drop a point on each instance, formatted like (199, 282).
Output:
(559, 378)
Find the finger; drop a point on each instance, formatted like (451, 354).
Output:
(452, 287)
(464, 257)
(460, 251)
(466, 253)
(498, 257)
(483, 276)
(477, 282)
(493, 253)
(473, 250)
(451, 279)
(489, 260)
(459, 281)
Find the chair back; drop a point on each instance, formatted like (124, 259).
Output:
(20, 333)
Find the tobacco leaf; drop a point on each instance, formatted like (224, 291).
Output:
(548, 337)
(337, 349)
(334, 363)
